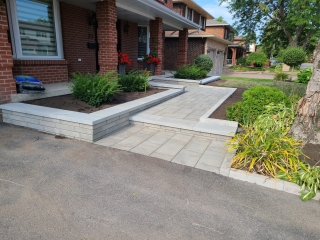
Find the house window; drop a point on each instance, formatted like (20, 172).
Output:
(189, 14)
(35, 28)
(143, 41)
(202, 22)
(226, 34)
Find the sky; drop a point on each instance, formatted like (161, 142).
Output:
(212, 7)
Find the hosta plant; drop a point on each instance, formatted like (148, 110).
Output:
(308, 177)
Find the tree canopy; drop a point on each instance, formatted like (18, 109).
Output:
(284, 22)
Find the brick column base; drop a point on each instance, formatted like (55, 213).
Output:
(156, 41)
(183, 47)
(7, 83)
(107, 35)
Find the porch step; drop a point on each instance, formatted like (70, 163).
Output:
(210, 128)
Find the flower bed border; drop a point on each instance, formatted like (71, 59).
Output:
(86, 127)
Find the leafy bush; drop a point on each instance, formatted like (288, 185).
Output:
(294, 56)
(258, 58)
(242, 61)
(278, 67)
(281, 76)
(291, 89)
(190, 72)
(265, 146)
(304, 76)
(134, 81)
(253, 103)
(95, 89)
(204, 61)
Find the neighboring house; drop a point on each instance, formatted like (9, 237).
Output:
(212, 41)
(236, 49)
(50, 39)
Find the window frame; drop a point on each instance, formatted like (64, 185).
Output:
(16, 38)
(148, 39)
(186, 14)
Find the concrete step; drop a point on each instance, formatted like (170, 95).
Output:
(214, 129)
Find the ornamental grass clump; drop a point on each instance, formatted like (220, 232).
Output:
(95, 89)
(265, 147)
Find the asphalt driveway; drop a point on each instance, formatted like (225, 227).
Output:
(66, 189)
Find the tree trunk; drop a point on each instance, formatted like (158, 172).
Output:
(307, 123)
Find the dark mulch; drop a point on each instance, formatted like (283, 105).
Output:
(221, 112)
(68, 102)
(313, 152)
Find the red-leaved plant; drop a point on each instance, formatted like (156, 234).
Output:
(123, 58)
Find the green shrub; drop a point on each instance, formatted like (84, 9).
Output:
(204, 61)
(190, 72)
(95, 89)
(242, 61)
(258, 58)
(304, 76)
(278, 67)
(294, 56)
(281, 76)
(253, 103)
(134, 81)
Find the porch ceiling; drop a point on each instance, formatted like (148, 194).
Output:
(141, 12)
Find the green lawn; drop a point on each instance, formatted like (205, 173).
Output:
(288, 88)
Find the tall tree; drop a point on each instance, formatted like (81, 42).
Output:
(307, 122)
(220, 19)
(298, 19)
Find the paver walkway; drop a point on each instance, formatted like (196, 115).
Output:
(191, 105)
(200, 150)
(195, 151)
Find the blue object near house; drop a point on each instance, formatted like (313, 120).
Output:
(27, 84)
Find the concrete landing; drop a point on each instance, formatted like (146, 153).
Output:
(52, 90)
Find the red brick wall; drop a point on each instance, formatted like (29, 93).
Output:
(195, 48)
(218, 31)
(7, 83)
(183, 47)
(156, 41)
(169, 3)
(180, 8)
(129, 43)
(52, 71)
(76, 33)
(107, 35)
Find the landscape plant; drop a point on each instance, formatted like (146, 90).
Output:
(253, 103)
(242, 61)
(281, 76)
(134, 81)
(204, 61)
(265, 147)
(95, 89)
(190, 72)
(304, 76)
(294, 57)
(123, 58)
(257, 58)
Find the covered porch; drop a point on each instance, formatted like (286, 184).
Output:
(88, 35)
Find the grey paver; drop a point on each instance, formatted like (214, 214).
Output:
(198, 144)
(145, 148)
(186, 157)
(170, 148)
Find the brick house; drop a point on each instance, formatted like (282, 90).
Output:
(50, 39)
(216, 40)
(225, 31)
(207, 40)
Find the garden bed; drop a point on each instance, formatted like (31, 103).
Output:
(68, 102)
(311, 150)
